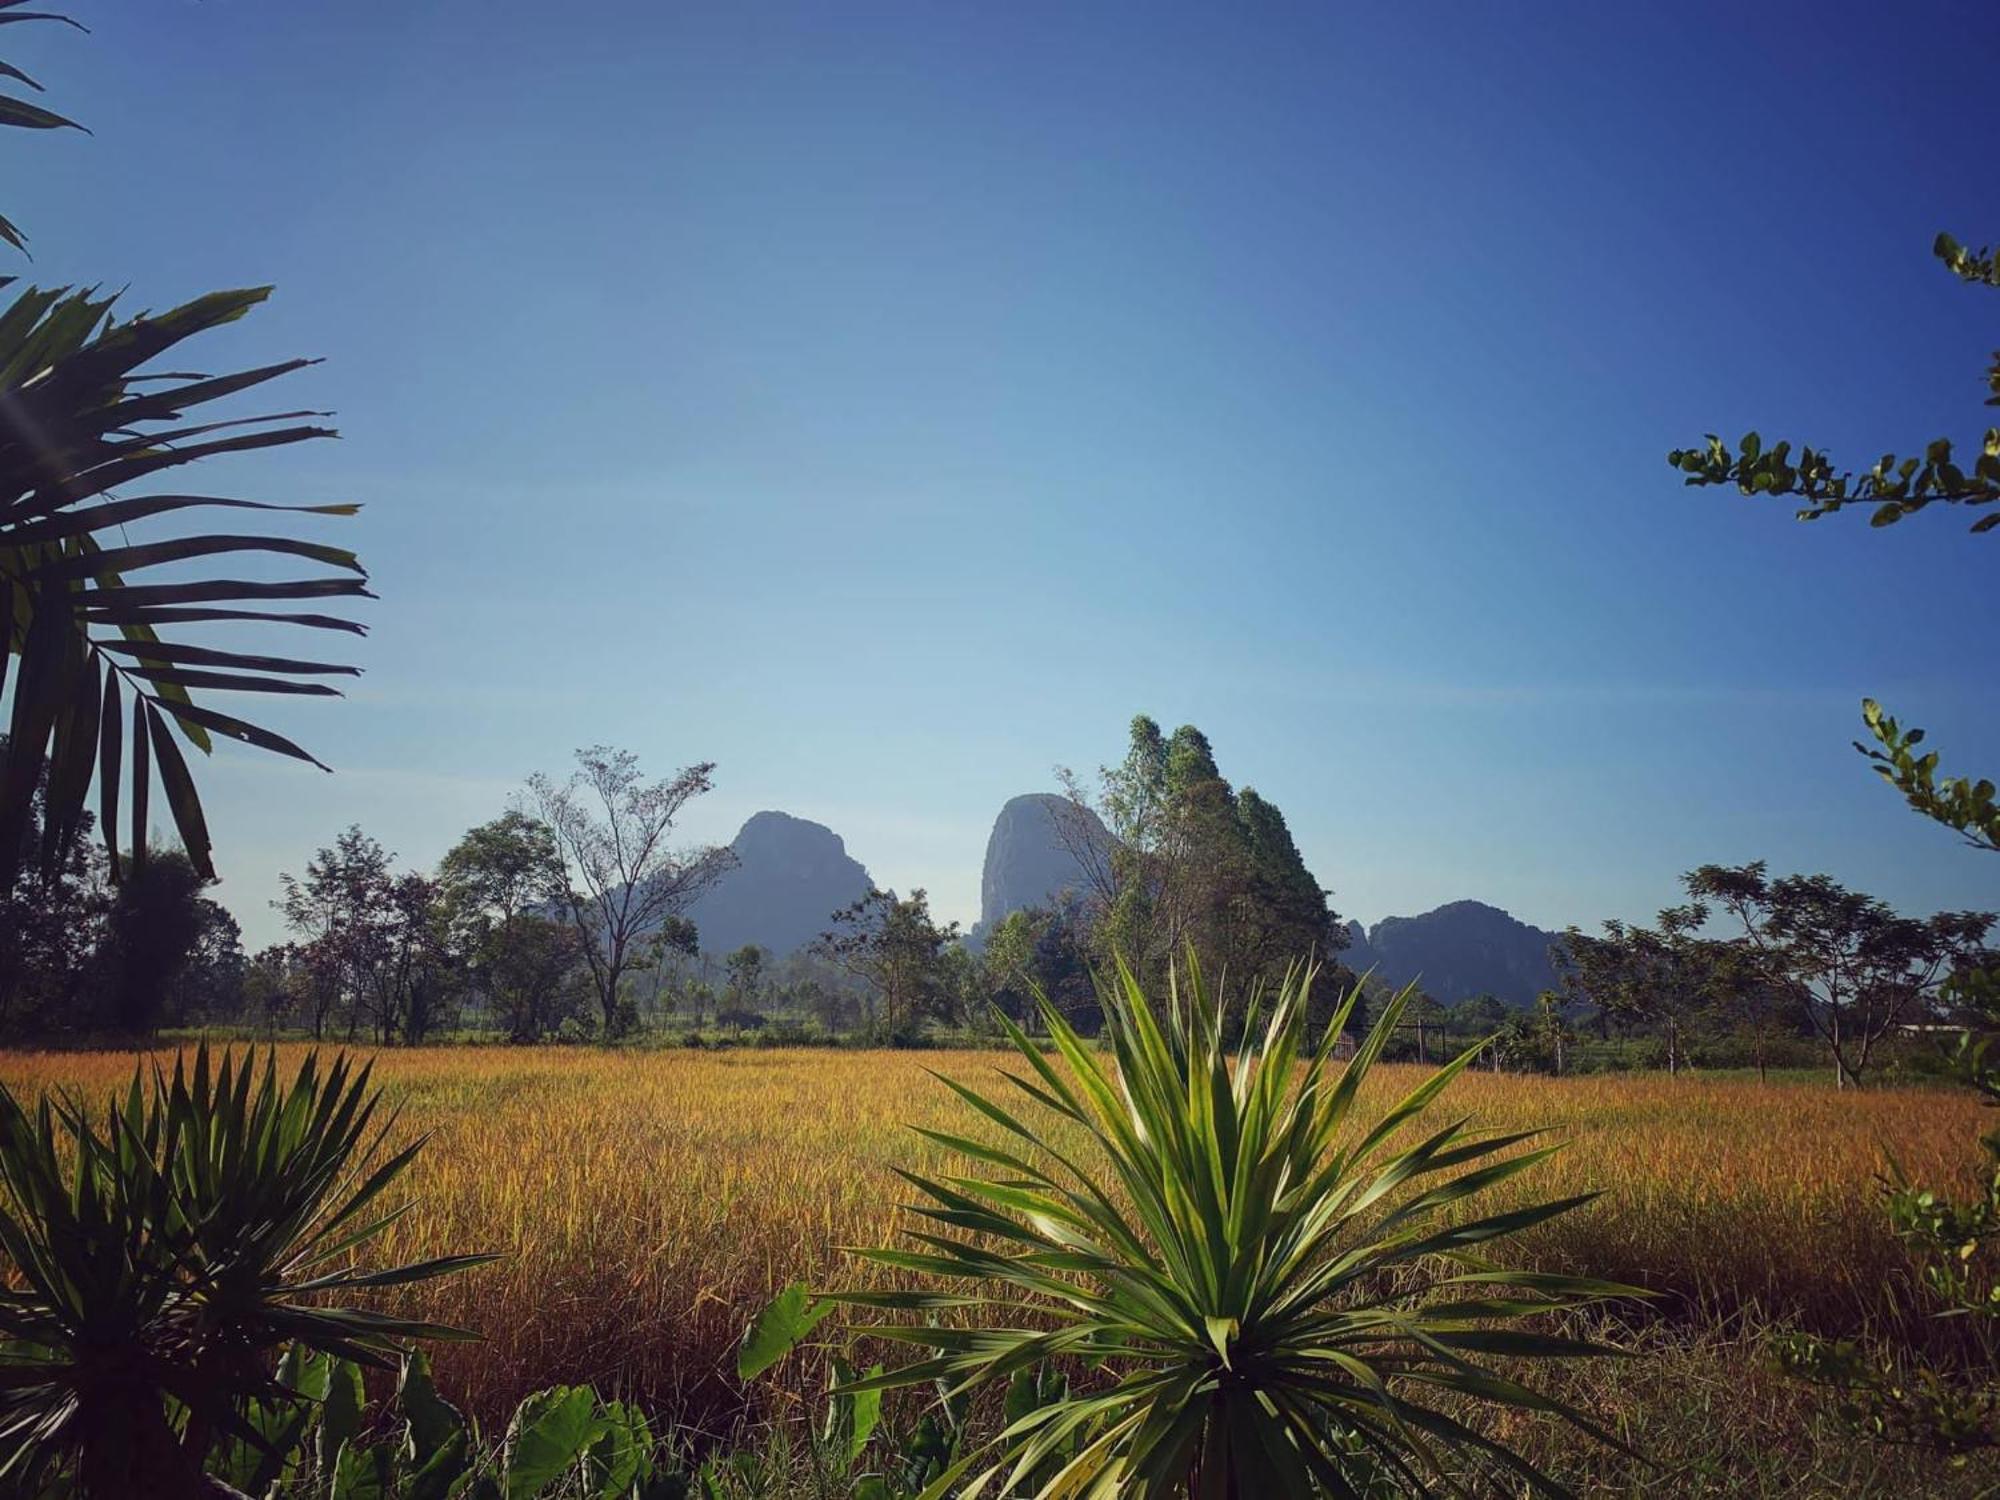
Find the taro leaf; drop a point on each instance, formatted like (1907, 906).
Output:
(779, 1328)
(443, 1473)
(867, 1415)
(622, 1457)
(551, 1430)
(430, 1422)
(340, 1413)
(364, 1474)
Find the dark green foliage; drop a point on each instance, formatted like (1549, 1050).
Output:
(892, 945)
(84, 418)
(323, 1441)
(164, 1256)
(1265, 1288)
(1896, 487)
(169, 951)
(1193, 861)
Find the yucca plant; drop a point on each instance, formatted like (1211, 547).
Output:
(84, 416)
(1269, 1278)
(160, 1260)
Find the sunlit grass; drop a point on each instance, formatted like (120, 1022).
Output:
(648, 1202)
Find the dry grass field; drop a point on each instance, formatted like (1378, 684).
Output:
(648, 1201)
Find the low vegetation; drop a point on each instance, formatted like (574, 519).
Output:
(646, 1203)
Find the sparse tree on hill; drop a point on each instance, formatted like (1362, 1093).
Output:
(623, 876)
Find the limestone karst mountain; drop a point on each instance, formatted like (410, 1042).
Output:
(1456, 951)
(1029, 862)
(791, 875)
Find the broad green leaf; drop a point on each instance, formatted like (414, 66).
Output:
(787, 1319)
(548, 1437)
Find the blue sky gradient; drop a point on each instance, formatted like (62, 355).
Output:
(887, 403)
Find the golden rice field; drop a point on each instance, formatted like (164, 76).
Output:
(647, 1202)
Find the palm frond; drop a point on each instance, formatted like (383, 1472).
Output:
(81, 419)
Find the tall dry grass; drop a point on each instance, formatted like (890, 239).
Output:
(648, 1202)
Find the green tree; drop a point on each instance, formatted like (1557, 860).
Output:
(894, 947)
(745, 968)
(1669, 977)
(496, 884)
(51, 923)
(160, 932)
(623, 877)
(1849, 964)
(1192, 860)
(1539, 1039)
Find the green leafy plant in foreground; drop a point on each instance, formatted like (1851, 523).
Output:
(1266, 1277)
(163, 1258)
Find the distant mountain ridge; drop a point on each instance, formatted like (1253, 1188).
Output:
(1456, 951)
(791, 876)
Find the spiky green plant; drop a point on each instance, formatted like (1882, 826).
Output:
(1270, 1277)
(160, 1260)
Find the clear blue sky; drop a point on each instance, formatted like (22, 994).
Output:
(887, 403)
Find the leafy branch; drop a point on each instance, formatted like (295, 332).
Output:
(1955, 801)
(1895, 486)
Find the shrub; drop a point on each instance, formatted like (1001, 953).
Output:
(163, 1259)
(1268, 1287)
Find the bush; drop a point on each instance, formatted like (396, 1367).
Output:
(163, 1259)
(1273, 1307)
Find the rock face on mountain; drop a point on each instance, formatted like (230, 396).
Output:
(1460, 950)
(1028, 860)
(791, 875)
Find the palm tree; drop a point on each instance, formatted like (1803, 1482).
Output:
(85, 415)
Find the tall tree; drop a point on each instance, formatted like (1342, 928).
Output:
(497, 884)
(340, 911)
(1668, 977)
(1854, 968)
(51, 923)
(161, 933)
(1191, 860)
(745, 968)
(895, 948)
(623, 877)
